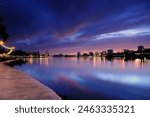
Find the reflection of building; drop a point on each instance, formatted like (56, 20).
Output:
(30, 60)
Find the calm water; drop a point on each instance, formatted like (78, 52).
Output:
(92, 78)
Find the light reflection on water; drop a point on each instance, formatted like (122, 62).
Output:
(92, 78)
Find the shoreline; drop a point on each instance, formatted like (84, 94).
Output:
(17, 85)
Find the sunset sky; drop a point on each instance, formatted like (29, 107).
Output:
(68, 26)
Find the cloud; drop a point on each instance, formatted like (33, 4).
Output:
(69, 31)
(143, 31)
(69, 24)
(71, 82)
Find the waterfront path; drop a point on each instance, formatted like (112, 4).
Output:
(16, 85)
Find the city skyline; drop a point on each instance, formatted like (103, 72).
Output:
(69, 26)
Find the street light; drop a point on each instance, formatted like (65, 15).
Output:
(9, 48)
(1, 42)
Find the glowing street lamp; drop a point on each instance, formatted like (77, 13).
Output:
(9, 48)
(1, 42)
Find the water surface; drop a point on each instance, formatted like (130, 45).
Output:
(92, 78)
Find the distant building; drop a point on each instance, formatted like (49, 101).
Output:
(47, 53)
(140, 48)
(147, 50)
(103, 53)
(126, 51)
(129, 53)
(110, 52)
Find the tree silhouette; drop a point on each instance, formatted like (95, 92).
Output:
(3, 33)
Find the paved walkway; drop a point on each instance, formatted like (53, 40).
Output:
(15, 84)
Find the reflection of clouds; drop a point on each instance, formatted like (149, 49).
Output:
(124, 78)
(75, 77)
(67, 80)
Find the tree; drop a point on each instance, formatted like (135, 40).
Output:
(97, 54)
(91, 54)
(3, 33)
(85, 54)
(78, 54)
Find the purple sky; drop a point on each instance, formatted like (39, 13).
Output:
(68, 26)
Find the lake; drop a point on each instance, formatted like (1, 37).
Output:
(92, 78)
